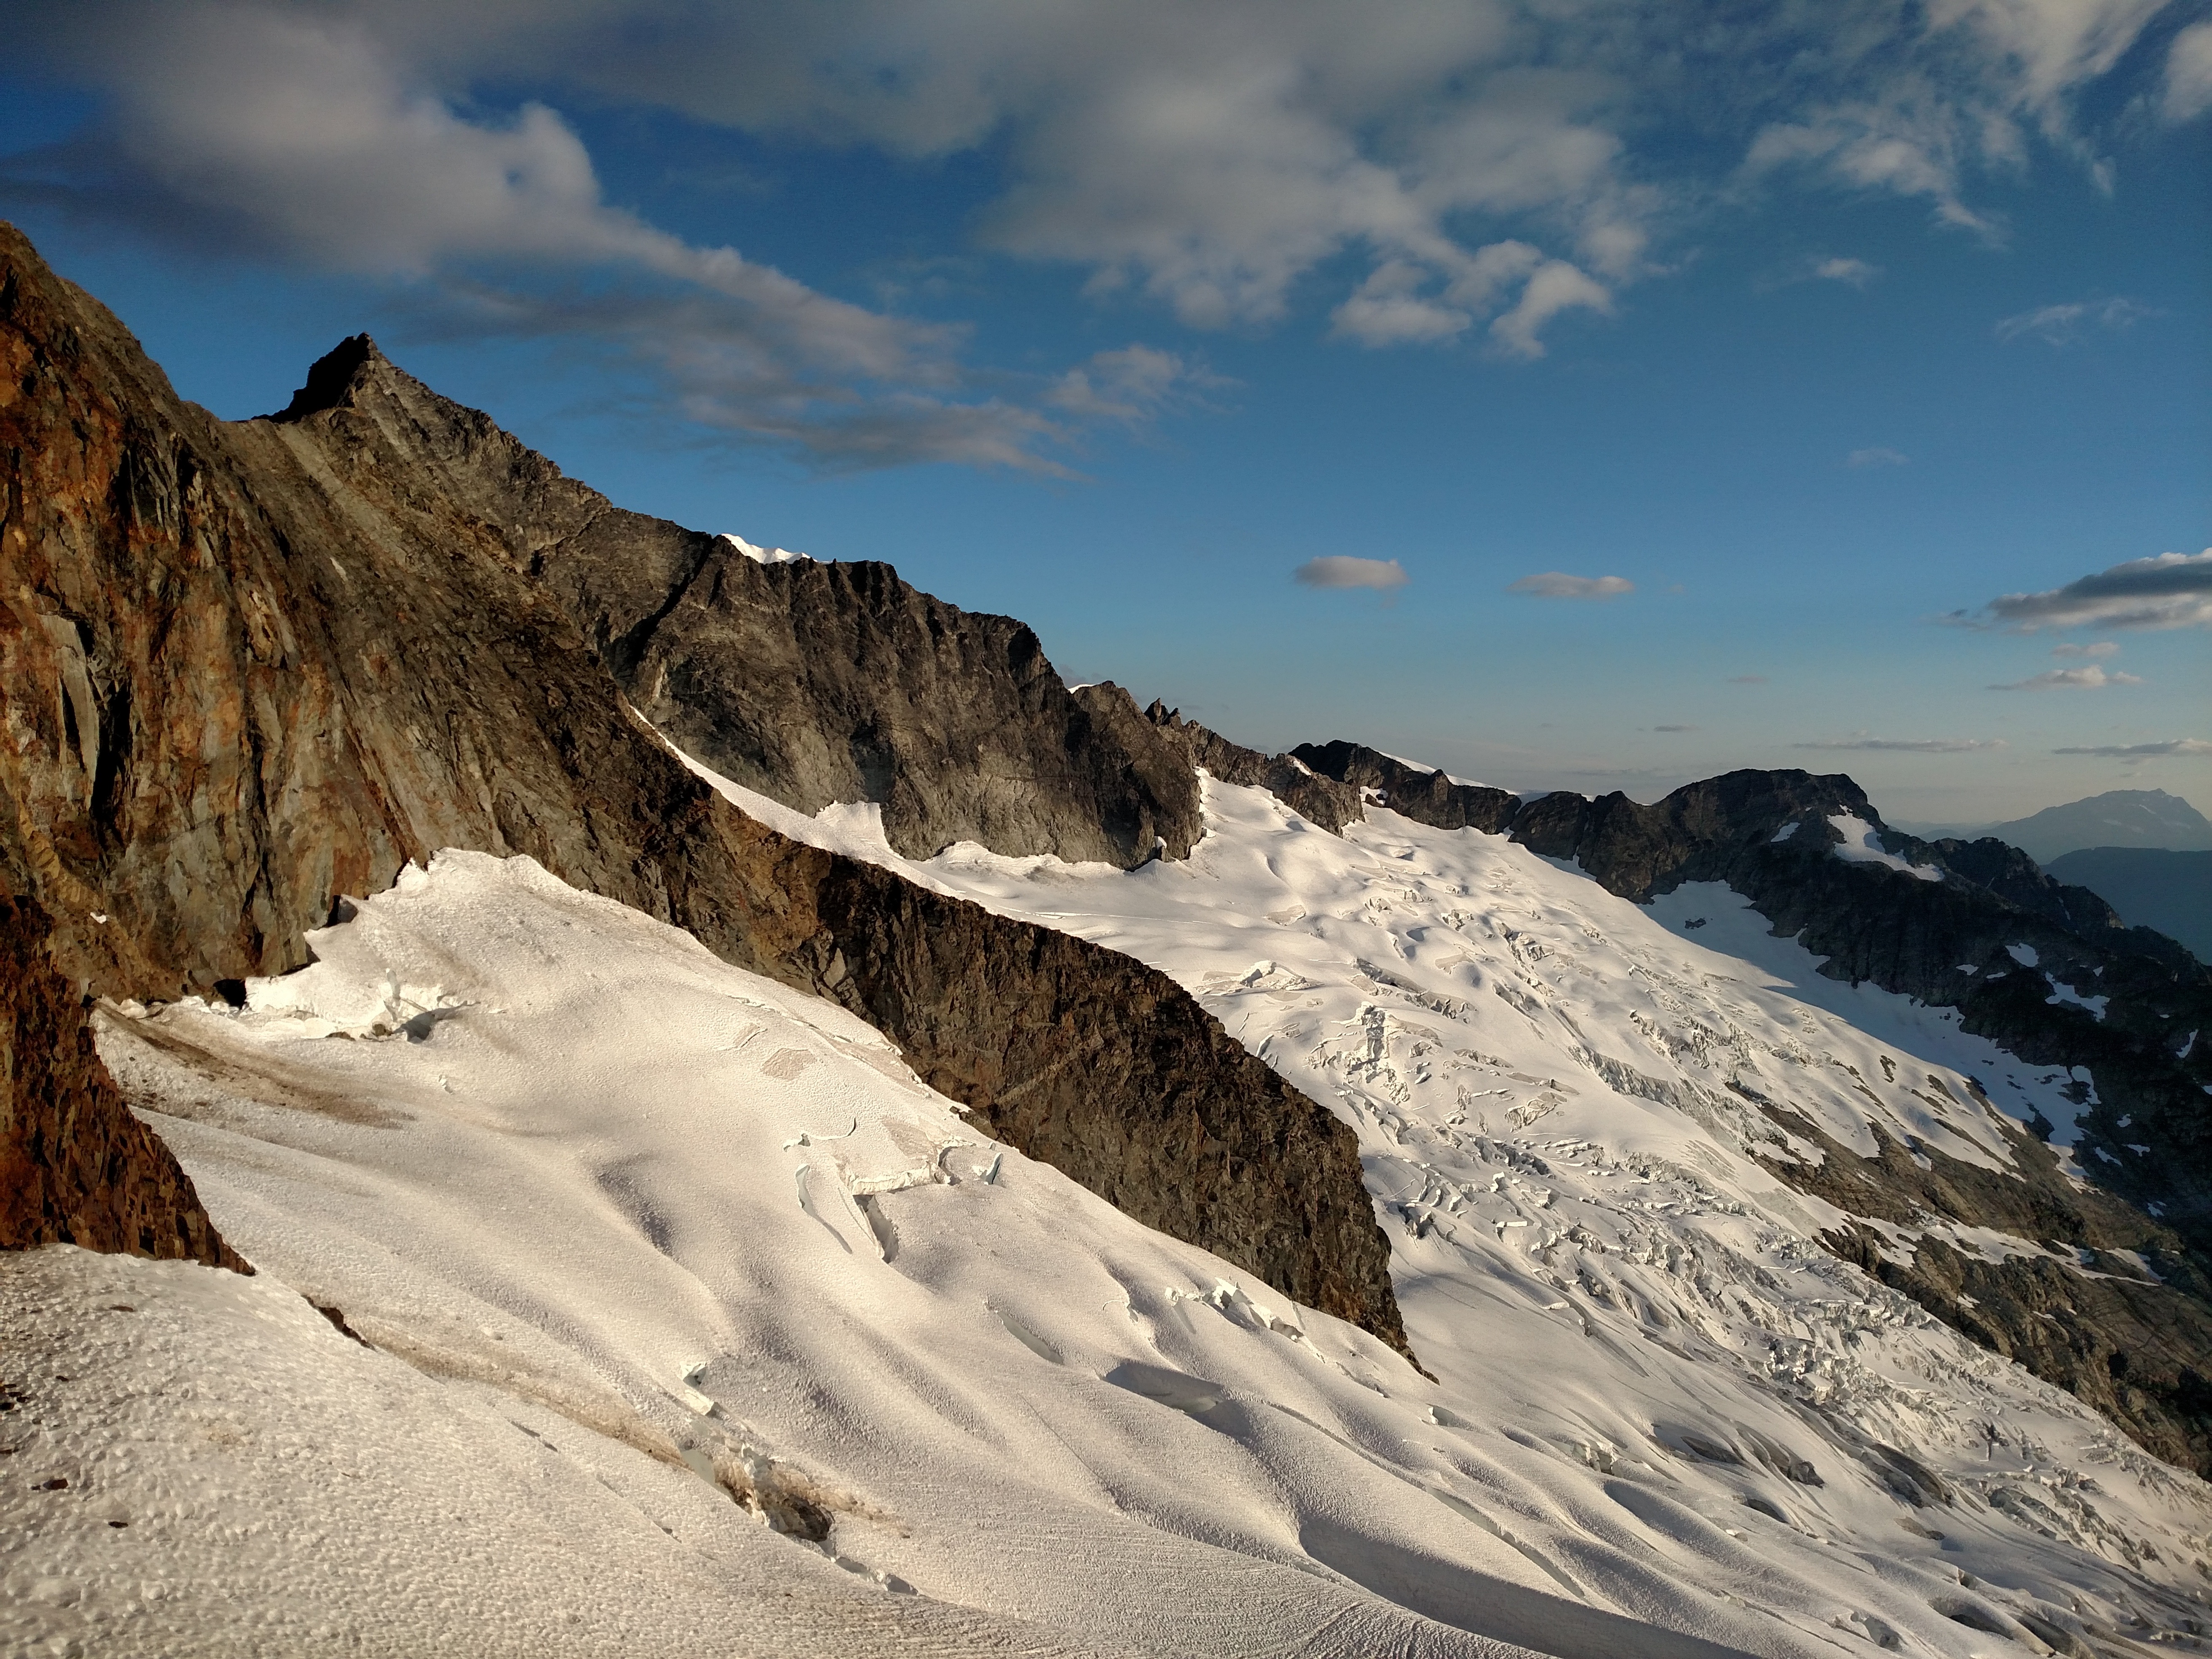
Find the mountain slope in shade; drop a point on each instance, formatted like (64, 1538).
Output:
(633, 1234)
(2119, 818)
(2150, 887)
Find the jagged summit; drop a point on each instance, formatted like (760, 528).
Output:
(332, 376)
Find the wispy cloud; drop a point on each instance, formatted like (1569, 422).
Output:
(1674, 728)
(1341, 570)
(2173, 590)
(1907, 746)
(2063, 324)
(1876, 457)
(1857, 273)
(2092, 678)
(2189, 74)
(2100, 649)
(1818, 268)
(2141, 751)
(1559, 585)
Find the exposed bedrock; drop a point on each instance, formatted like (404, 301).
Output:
(812, 683)
(75, 1168)
(248, 668)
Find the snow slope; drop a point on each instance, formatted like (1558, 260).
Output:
(632, 1232)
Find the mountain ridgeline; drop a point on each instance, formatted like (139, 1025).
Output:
(250, 668)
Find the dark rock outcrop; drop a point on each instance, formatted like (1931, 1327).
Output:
(811, 683)
(75, 1168)
(1430, 798)
(248, 668)
(1327, 801)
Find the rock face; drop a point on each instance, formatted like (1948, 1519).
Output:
(75, 1168)
(1429, 798)
(248, 668)
(812, 683)
(1327, 802)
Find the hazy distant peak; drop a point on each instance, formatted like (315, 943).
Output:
(2118, 818)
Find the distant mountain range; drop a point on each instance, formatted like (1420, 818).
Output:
(2150, 887)
(2118, 818)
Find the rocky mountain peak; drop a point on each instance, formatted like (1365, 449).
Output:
(335, 377)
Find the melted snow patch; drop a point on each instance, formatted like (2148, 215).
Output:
(1861, 846)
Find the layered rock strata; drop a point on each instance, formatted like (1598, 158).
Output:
(246, 669)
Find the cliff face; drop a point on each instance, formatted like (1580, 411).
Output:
(812, 683)
(75, 1168)
(248, 668)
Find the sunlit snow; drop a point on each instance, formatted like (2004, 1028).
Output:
(631, 1230)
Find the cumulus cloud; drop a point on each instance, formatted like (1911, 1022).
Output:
(1908, 745)
(1341, 570)
(2063, 324)
(2173, 590)
(1559, 585)
(2092, 678)
(2142, 751)
(1876, 457)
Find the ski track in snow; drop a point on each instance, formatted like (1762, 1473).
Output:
(629, 1228)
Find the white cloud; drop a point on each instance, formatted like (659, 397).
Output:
(2189, 74)
(1559, 585)
(2102, 648)
(1877, 457)
(1341, 570)
(2061, 325)
(1129, 386)
(1909, 745)
(1555, 287)
(1463, 168)
(2142, 751)
(2173, 590)
(1857, 273)
(2092, 678)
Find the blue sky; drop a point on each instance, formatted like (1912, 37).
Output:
(1664, 388)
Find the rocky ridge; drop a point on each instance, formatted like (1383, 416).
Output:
(249, 668)
(2129, 1330)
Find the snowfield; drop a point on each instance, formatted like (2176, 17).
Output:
(693, 1322)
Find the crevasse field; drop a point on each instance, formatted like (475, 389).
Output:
(693, 1324)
